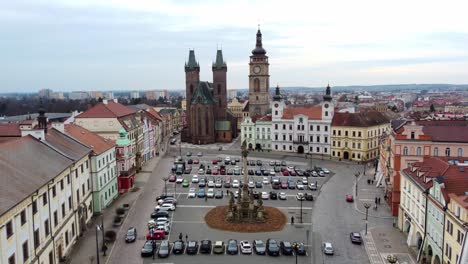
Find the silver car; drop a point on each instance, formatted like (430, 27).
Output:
(328, 248)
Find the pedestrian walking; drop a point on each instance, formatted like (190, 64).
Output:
(292, 220)
(186, 238)
(368, 181)
(206, 198)
(378, 200)
(180, 236)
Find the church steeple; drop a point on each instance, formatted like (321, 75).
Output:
(277, 96)
(259, 50)
(192, 63)
(327, 97)
(219, 63)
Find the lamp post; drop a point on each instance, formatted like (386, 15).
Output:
(102, 230)
(175, 188)
(367, 206)
(165, 186)
(357, 176)
(364, 164)
(392, 258)
(301, 209)
(97, 244)
(295, 247)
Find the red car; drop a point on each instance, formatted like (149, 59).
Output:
(284, 185)
(215, 162)
(156, 235)
(196, 161)
(214, 171)
(349, 198)
(222, 171)
(172, 178)
(285, 173)
(292, 173)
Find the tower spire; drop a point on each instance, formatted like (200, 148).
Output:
(327, 96)
(259, 50)
(192, 63)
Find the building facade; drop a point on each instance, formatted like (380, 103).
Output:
(357, 136)
(125, 159)
(236, 108)
(456, 229)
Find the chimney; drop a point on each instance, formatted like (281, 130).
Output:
(42, 120)
(115, 100)
(104, 101)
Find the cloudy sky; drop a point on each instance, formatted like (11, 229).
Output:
(143, 44)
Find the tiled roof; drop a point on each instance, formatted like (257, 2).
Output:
(153, 113)
(130, 122)
(265, 118)
(312, 112)
(109, 110)
(360, 119)
(90, 139)
(66, 145)
(26, 165)
(443, 130)
(203, 94)
(10, 130)
(246, 107)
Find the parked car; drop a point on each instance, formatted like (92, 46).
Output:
(192, 247)
(299, 185)
(227, 183)
(300, 196)
(164, 249)
(172, 178)
(300, 250)
(192, 193)
(273, 195)
(291, 184)
(259, 163)
(282, 196)
(218, 183)
(265, 196)
(285, 173)
(252, 163)
(196, 161)
(312, 186)
(235, 184)
(168, 199)
(179, 247)
(201, 183)
(349, 198)
(163, 227)
(328, 248)
(284, 185)
(292, 173)
(251, 172)
(308, 197)
(195, 179)
(355, 238)
(237, 159)
(169, 206)
(211, 183)
(156, 215)
(131, 235)
(265, 180)
(189, 154)
(286, 248)
(219, 194)
(251, 184)
(258, 172)
(155, 235)
(259, 247)
(185, 183)
(199, 154)
(325, 170)
(210, 193)
(232, 248)
(214, 171)
(258, 184)
(188, 169)
(245, 247)
(205, 246)
(218, 247)
(229, 172)
(147, 250)
(255, 194)
(283, 163)
(272, 247)
(201, 193)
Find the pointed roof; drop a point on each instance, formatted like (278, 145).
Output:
(110, 109)
(203, 94)
(327, 97)
(259, 50)
(192, 63)
(277, 96)
(219, 63)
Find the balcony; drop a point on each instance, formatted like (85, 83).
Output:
(300, 142)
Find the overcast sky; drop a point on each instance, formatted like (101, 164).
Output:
(143, 44)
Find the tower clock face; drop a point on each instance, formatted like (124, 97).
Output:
(257, 69)
(326, 105)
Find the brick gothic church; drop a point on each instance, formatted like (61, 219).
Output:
(208, 118)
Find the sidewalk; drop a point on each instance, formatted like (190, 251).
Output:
(84, 251)
(384, 239)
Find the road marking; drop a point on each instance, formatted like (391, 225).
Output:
(366, 199)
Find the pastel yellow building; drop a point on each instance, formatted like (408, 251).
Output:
(236, 108)
(184, 104)
(355, 136)
(456, 229)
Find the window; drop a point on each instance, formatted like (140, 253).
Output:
(326, 139)
(318, 149)
(23, 217)
(460, 152)
(11, 259)
(412, 135)
(447, 152)
(276, 136)
(318, 128)
(326, 128)
(290, 147)
(36, 238)
(66, 238)
(359, 133)
(405, 151)
(311, 128)
(81, 168)
(46, 227)
(276, 146)
(284, 137)
(346, 133)
(61, 184)
(325, 150)
(276, 126)
(276, 112)
(449, 227)
(44, 199)
(418, 151)
(460, 236)
(34, 206)
(63, 210)
(318, 138)
(354, 133)
(55, 219)
(436, 151)
(73, 230)
(333, 143)
(284, 147)
(54, 192)
(290, 137)
(334, 132)
(256, 85)
(25, 251)
(326, 113)
(51, 257)
(290, 127)
(284, 126)
(9, 229)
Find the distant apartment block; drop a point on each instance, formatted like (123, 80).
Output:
(109, 95)
(46, 93)
(78, 95)
(95, 94)
(134, 94)
(232, 93)
(58, 95)
(155, 94)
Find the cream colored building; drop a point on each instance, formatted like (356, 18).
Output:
(236, 108)
(456, 231)
(46, 197)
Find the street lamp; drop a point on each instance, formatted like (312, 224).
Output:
(367, 206)
(392, 258)
(357, 176)
(97, 243)
(301, 209)
(295, 247)
(104, 247)
(165, 186)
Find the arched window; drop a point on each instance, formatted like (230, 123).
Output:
(219, 89)
(191, 89)
(405, 151)
(199, 119)
(447, 152)
(418, 151)
(436, 151)
(256, 85)
(460, 152)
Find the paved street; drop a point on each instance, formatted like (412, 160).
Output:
(329, 218)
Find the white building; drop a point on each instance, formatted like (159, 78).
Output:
(134, 94)
(78, 95)
(302, 129)
(257, 132)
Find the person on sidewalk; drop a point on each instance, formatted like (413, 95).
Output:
(378, 200)
(292, 220)
(180, 236)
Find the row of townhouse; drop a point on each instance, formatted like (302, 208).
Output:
(46, 196)
(410, 141)
(316, 130)
(433, 212)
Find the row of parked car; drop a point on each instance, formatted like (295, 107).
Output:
(271, 247)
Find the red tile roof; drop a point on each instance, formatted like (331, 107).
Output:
(443, 130)
(10, 130)
(154, 113)
(360, 119)
(109, 110)
(312, 112)
(90, 139)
